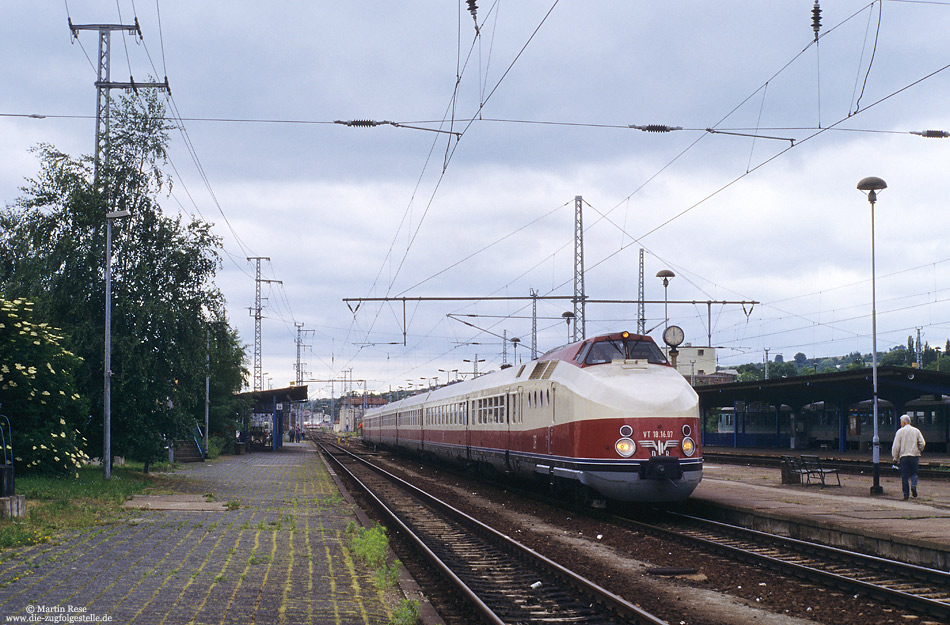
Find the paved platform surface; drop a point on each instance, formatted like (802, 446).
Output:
(916, 530)
(280, 556)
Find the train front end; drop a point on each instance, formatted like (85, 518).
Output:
(638, 424)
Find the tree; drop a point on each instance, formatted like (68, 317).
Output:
(750, 373)
(800, 359)
(782, 370)
(164, 297)
(896, 357)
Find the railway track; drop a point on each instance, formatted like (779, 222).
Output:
(503, 581)
(921, 589)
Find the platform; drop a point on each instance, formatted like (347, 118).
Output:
(916, 530)
(241, 539)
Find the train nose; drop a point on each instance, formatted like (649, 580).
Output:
(661, 468)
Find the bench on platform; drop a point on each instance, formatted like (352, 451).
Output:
(811, 465)
(792, 470)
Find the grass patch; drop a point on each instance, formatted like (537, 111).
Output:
(372, 547)
(406, 613)
(68, 503)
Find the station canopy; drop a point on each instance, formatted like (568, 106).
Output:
(897, 385)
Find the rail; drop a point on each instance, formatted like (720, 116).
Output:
(493, 605)
(922, 589)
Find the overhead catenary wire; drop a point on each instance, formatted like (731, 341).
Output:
(415, 286)
(448, 158)
(877, 34)
(179, 125)
(816, 133)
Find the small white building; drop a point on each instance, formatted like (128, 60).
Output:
(352, 409)
(698, 365)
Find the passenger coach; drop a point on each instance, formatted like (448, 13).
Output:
(604, 417)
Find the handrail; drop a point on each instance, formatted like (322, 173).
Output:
(6, 440)
(198, 435)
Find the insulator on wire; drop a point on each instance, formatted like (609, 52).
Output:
(931, 134)
(472, 8)
(360, 123)
(816, 19)
(656, 128)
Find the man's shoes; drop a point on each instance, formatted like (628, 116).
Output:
(905, 497)
(913, 492)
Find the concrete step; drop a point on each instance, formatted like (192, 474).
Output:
(187, 451)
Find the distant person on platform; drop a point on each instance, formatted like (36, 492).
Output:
(908, 444)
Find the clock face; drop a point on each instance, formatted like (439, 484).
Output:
(673, 336)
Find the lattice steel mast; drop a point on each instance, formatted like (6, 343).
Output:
(641, 308)
(256, 313)
(580, 323)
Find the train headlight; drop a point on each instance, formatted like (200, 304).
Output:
(689, 447)
(625, 447)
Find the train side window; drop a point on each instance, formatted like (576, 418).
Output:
(582, 354)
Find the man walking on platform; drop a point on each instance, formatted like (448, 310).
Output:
(908, 443)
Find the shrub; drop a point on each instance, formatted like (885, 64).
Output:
(39, 393)
(371, 545)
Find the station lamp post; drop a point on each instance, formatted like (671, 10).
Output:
(666, 274)
(568, 317)
(107, 359)
(872, 185)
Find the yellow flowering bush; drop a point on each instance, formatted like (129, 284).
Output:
(39, 395)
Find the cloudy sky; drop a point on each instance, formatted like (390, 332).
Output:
(496, 128)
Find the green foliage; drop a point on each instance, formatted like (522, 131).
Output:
(216, 445)
(17, 533)
(387, 576)
(750, 373)
(406, 613)
(58, 504)
(165, 306)
(39, 393)
(371, 546)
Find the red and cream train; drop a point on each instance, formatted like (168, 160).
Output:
(606, 415)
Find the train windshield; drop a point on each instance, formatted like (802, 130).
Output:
(603, 352)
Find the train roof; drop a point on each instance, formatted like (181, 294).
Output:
(569, 352)
(507, 375)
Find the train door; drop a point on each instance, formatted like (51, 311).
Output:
(549, 399)
(422, 428)
(509, 409)
(467, 421)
